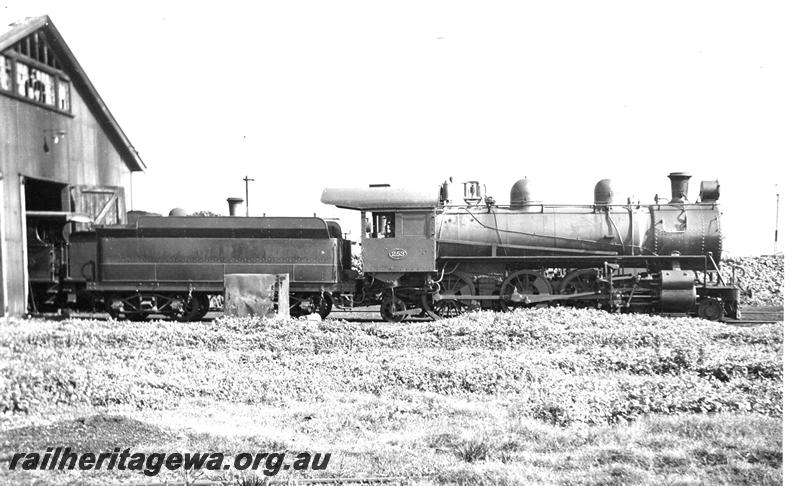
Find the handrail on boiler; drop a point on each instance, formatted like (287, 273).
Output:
(719, 274)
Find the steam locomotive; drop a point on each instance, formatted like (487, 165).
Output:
(423, 253)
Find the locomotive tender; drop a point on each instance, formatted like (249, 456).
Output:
(171, 265)
(422, 251)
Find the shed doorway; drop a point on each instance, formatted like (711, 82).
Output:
(46, 205)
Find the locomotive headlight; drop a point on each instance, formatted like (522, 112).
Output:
(709, 191)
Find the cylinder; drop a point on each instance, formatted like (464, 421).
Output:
(235, 206)
(677, 291)
(680, 187)
(603, 193)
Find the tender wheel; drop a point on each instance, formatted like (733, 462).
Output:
(128, 308)
(392, 309)
(711, 309)
(193, 308)
(456, 285)
(295, 309)
(520, 284)
(111, 305)
(305, 304)
(324, 305)
(579, 281)
(113, 313)
(205, 305)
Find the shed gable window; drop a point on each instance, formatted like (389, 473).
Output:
(5, 73)
(30, 70)
(63, 95)
(35, 85)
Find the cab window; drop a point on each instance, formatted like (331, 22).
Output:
(377, 225)
(413, 224)
(383, 225)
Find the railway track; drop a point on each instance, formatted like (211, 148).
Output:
(755, 315)
(751, 315)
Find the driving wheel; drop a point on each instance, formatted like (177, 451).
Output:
(580, 281)
(519, 285)
(456, 285)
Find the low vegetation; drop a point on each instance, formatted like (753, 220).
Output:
(558, 396)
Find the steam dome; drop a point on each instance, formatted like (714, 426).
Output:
(521, 194)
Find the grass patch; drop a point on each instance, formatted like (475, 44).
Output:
(555, 396)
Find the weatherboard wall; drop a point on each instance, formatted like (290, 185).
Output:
(83, 156)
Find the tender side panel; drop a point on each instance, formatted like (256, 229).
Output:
(167, 259)
(82, 256)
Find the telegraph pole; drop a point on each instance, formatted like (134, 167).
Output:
(777, 207)
(247, 182)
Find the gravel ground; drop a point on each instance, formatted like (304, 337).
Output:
(760, 278)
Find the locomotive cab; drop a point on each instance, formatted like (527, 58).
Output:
(397, 228)
(398, 241)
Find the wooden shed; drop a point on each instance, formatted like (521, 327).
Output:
(64, 160)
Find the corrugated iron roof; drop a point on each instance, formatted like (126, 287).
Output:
(21, 29)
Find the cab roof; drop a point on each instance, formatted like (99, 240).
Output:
(380, 197)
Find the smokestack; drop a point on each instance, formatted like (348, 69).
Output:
(680, 187)
(235, 206)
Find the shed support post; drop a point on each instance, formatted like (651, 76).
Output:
(24, 237)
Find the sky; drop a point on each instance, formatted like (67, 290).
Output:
(304, 95)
